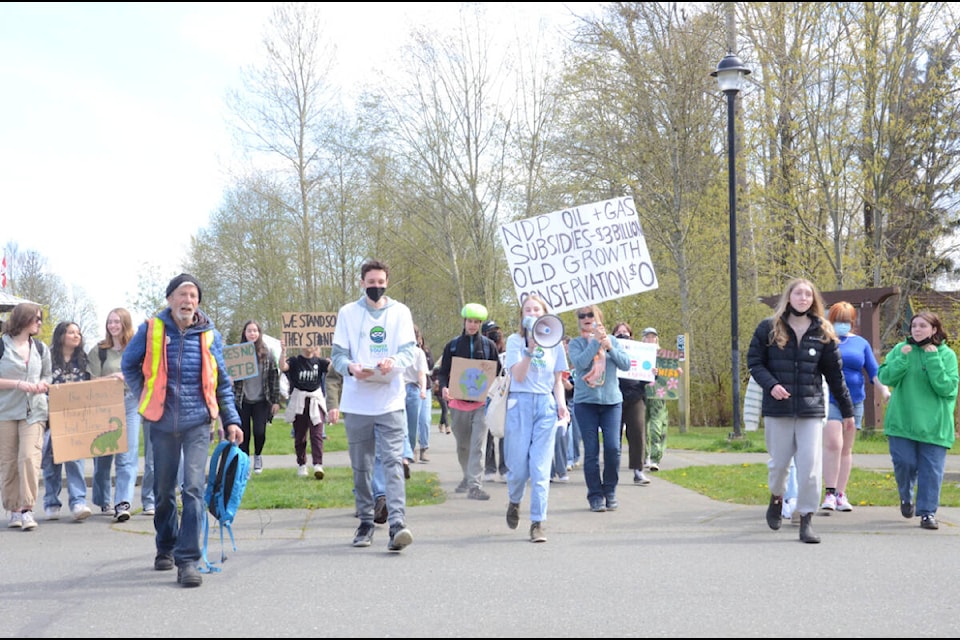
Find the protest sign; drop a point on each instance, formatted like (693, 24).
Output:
(643, 359)
(241, 360)
(309, 329)
(579, 256)
(667, 385)
(87, 419)
(470, 378)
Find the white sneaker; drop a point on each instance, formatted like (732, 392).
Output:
(646, 463)
(257, 464)
(29, 523)
(829, 502)
(51, 513)
(502, 477)
(301, 471)
(80, 512)
(489, 477)
(653, 466)
(16, 520)
(318, 471)
(842, 503)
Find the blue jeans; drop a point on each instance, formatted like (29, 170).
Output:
(413, 414)
(573, 450)
(53, 478)
(595, 419)
(146, 487)
(182, 540)
(128, 464)
(528, 445)
(918, 465)
(426, 418)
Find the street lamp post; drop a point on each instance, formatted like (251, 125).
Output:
(729, 74)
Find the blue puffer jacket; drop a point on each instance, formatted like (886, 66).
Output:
(184, 407)
(798, 366)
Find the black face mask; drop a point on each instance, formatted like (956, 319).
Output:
(794, 312)
(922, 343)
(622, 336)
(375, 293)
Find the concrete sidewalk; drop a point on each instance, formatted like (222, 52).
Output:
(668, 562)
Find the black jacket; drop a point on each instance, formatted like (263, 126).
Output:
(799, 369)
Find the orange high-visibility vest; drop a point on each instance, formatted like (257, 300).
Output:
(155, 372)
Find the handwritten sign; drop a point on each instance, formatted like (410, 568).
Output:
(470, 378)
(241, 360)
(667, 386)
(87, 419)
(643, 359)
(309, 329)
(579, 256)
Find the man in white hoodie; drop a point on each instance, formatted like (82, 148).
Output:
(372, 344)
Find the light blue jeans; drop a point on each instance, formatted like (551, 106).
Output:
(53, 478)
(128, 464)
(181, 540)
(382, 436)
(146, 487)
(918, 466)
(413, 405)
(426, 418)
(528, 445)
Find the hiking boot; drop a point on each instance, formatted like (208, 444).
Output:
(121, 512)
(380, 510)
(829, 502)
(513, 515)
(189, 576)
(364, 535)
(476, 493)
(423, 455)
(406, 469)
(257, 464)
(929, 522)
(806, 531)
(774, 512)
(842, 503)
(163, 562)
(536, 532)
(906, 509)
(400, 537)
(29, 524)
(318, 471)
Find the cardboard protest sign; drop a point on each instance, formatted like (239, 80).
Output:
(579, 256)
(667, 384)
(309, 329)
(470, 379)
(241, 360)
(87, 419)
(643, 359)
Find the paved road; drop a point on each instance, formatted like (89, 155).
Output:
(669, 562)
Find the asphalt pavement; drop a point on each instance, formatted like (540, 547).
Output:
(668, 562)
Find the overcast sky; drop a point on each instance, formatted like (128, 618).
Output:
(113, 133)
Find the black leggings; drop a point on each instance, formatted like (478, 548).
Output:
(257, 413)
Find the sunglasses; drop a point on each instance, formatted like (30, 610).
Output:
(588, 314)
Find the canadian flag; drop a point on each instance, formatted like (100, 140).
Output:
(3, 273)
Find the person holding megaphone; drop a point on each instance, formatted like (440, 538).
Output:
(598, 403)
(535, 404)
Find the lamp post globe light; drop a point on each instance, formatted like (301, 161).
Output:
(730, 74)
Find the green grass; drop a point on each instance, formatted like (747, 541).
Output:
(747, 483)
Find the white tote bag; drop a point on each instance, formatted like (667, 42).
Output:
(496, 412)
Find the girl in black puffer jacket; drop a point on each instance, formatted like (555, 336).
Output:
(790, 354)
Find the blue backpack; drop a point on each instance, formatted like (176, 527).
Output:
(226, 482)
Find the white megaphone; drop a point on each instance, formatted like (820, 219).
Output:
(547, 331)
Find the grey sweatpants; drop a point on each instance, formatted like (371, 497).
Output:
(801, 439)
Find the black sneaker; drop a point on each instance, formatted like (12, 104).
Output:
(364, 535)
(163, 562)
(189, 576)
(462, 487)
(906, 509)
(400, 537)
(476, 493)
(513, 515)
(380, 510)
(121, 512)
(929, 522)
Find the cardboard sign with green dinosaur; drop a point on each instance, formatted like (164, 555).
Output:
(87, 419)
